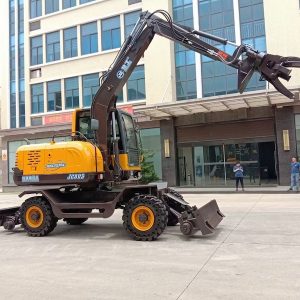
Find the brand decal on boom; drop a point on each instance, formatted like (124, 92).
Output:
(120, 74)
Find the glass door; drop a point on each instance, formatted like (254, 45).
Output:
(185, 165)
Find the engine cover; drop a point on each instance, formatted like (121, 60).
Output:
(74, 162)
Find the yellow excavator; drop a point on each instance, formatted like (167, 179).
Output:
(98, 170)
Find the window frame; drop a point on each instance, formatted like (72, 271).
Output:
(38, 13)
(111, 33)
(54, 4)
(40, 99)
(73, 41)
(136, 81)
(69, 5)
(38, 50)
(52, 46)
(72, 92)
(57, 101)
(90, 88)
(90, 37)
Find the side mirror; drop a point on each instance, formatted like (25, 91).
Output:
(94, 124)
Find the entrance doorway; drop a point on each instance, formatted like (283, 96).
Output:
(212, 165)
(268, 173)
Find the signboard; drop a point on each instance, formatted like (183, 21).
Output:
(4, 154)
(58, 118)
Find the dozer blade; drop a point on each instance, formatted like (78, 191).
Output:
(9, 217)
(205, 219)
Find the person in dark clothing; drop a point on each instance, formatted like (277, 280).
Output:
(239, 175)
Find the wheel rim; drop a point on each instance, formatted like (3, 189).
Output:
(142, 218)
(34, 216)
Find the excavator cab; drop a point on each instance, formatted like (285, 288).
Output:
(123, 146)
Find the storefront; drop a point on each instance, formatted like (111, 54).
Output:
(202, 140)
(212, 165)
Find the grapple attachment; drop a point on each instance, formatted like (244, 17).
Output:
(192, 219)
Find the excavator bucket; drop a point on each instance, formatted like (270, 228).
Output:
(193, 219)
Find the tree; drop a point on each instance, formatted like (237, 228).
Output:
(148, 171)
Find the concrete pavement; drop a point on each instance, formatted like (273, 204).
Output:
(254, 254)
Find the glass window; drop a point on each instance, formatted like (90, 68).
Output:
(151, 145)
(71, 92)
(111, 34)
(217, 18)
(186, 86)
(37, 98)
(36, 51)
(54, 95)
(70, 42)
(68, 3)
(12, 64)
(22, 109)
(12, 149)
(136, 84)
(85, 1)
(53, 46)
(13, 112)
(51, 6)
(297, 125)
(252, 25)
(89, 38)
(21, 19)
(35, 8)
(90, 85)
(130, 20)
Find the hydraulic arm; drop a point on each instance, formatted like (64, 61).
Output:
(245, 59)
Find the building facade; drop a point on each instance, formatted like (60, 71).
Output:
(191, 117)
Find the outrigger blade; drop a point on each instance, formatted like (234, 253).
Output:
(206, 219)
(9, 217)
(192, 219)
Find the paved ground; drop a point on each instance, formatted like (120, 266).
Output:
(255, 254)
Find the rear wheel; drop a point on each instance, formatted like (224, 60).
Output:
(37, 217)
(145, 217)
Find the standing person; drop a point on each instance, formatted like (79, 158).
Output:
(239, 175)
(295, 168)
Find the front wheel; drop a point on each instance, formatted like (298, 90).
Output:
(145, 217)
(37, 217)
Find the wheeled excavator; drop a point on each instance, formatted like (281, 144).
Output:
(98, 170)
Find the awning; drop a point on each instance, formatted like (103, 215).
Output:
(213, 104)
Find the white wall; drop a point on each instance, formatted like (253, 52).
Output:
(282, 21)
(4, 62)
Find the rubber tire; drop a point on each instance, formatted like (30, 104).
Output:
(49, 223)
(75, 221)
(160, 217)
